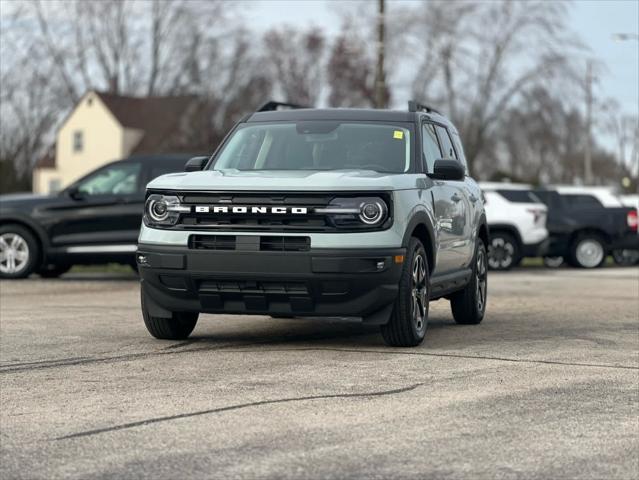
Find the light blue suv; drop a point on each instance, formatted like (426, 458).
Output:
(318, 212)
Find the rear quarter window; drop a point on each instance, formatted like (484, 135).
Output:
(581, 201)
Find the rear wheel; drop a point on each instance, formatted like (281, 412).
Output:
(469, 305)
(587, 251)
(19, 252)
(504, 251)
(626, 257)
(177, 327)
(408, 322)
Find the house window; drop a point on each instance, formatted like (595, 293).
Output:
(78, 141)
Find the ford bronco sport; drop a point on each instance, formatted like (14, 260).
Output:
(367, 214)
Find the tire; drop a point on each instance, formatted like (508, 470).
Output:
(19, 252)
(553, 262)
(626, 257)
(408, 322)
(53, 271)
(587, 251)
(178, 327)
(504, 251)
(469, 305)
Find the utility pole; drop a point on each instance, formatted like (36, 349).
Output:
(380, 76)
(588, 147)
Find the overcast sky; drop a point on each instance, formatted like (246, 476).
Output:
(594, 20)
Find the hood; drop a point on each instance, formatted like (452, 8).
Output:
(13, 200)
(291, 180)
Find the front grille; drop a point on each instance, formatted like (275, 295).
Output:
(285, 244)
(212, 242)
(207, 212)
(247, 287)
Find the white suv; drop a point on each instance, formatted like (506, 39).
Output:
(517, 222)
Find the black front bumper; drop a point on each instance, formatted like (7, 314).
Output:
(335, 283)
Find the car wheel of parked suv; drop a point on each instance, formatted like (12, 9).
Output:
(407, 325)
(469, 304)
(177, 327)
(553, 262)
(504, 252)
(19, 252)
(587, 251)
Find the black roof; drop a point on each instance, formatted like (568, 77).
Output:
(356, 114)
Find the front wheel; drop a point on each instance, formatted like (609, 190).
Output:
(407, 325)
(19, 252)
(177, 327)
(469, 304)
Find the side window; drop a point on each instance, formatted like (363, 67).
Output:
(460, 151)
(78, 141)
(582, 201)
(119, 179)
(447, 146)
(430, 146)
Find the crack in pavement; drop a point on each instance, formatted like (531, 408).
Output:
(173, 349)
(240, 406)
(449, 355)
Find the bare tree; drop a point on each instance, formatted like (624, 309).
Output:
(297, 57)
(479, 56)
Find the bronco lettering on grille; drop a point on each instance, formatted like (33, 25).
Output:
(251, 210)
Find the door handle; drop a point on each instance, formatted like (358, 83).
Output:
(455, 198)
(473, 198)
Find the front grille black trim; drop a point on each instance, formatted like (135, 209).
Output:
(285, 244)
(212, 242)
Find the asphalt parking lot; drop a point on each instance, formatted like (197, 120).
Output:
(547, 387)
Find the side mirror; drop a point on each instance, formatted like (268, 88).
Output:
(447, 170)
(74, 193)
(195, 164)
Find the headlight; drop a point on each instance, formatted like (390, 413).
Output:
(356, 211)
(163, 210)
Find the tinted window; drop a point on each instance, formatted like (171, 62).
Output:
(581, 201)
(447, 146)
(430, 146)
(118, 179)
(318, 145)
(519, 196)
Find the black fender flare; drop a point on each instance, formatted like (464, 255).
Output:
(421, 218)
(508, 228)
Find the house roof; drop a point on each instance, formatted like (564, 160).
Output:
(157, 117)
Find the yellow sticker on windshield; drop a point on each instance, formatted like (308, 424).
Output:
(398, 134)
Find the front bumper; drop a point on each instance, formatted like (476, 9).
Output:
(320, 282)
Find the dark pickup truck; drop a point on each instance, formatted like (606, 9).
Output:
(586, 224)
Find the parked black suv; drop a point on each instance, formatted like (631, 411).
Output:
(95, 220)
(586, 224)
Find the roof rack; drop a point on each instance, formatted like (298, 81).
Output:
(272, 106)
(414, 106)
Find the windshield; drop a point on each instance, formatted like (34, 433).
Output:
(317, 145)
